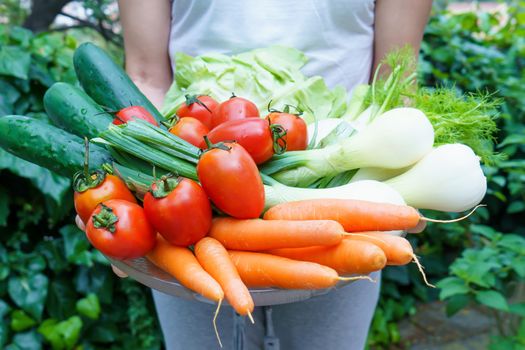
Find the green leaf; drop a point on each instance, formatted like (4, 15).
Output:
(518, 265)
(52, 250)
(61, 335)
(29, 293)
(4, 263)
(492, 299)
(518, 309)
(4, 309)
(98, 280)
(47, 182)
(27, 341)
(104, 332)
(451, 286)
(76, 245)
(89, 306)
(516, 207)
(14, 62)
(60, 303)
(4, 207)
(21, 321)
(8, 96)
(4, 334)
(456, 303)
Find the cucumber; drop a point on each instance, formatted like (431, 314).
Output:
(73, 110)
(47, 145)
(106, 82)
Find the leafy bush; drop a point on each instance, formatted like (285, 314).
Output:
(473, 52)
(55, 291)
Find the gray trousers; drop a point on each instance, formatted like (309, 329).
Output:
(337, 320)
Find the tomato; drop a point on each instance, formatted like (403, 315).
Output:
(254, 134)
(231, 179)
(191, 130)
(234, 108)
(120, 229)
(179, 210)
(132, 112)
(97, 189)
(198, 107)
(296, 137)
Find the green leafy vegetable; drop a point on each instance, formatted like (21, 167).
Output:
(261, 75)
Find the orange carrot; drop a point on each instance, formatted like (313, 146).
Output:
(183, 265)
(215, 260)
(354, 215)
(266, 270)
(397, 249)
(348, 257)
(257, 234)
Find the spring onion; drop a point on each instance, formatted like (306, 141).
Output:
(395, 139)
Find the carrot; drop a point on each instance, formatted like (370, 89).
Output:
(215, 260)
(354, 215)
(397, 249)
(183, 265)
(348, 257)
(266, 270)
(257, 234)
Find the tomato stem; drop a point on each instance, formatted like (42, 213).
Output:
(191, 99)
(210, 145)
(105, 219)
(278, 137)
(83, 180)
(163, 187)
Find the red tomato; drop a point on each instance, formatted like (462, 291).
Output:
(231, 179)
(254, 134)
(120, 230)
(191, 130)
(296, 137)
(234, 108)
(179, 210)
(198, 107)
(133, 112)
(86, 198)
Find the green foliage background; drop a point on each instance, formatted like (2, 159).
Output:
(56, 292)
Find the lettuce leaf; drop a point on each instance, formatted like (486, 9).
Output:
(264, 75)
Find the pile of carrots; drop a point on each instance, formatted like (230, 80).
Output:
(310, 244)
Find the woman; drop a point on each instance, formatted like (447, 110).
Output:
(344, 41)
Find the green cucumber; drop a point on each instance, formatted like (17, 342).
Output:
(48, 146)
(106, 82)
(73, 110)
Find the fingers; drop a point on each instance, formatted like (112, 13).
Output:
(119, 272)
(79, 223)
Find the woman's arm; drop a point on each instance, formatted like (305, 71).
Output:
(398, 23)
(146, 28)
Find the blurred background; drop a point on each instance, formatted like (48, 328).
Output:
(56, 292)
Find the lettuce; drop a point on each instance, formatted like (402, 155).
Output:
(261, 75)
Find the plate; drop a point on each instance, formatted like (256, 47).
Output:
(145, 272)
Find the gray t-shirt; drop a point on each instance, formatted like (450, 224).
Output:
(336, 35)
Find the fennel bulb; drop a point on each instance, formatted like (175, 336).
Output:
(393, 140)
(449, 178)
